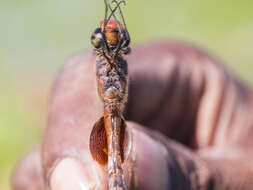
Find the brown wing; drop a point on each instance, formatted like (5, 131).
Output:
(98, 144)
(98, 141)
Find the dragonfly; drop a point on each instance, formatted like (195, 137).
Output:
(111, 42)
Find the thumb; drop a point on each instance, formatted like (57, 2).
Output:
(71, 173)
(150, 168)
(145, 166)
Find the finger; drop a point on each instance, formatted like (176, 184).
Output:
(150, 158)
(76, 171)
(162, 163)
(74, 108)
(172, 77)
(71, 173)
(28, 174)
(187, 95)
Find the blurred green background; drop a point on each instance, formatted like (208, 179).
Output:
(36, 37)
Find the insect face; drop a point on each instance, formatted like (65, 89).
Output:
(112, 30)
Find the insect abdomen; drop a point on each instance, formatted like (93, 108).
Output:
(114, 126)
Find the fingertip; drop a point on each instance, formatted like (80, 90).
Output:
(70, 173)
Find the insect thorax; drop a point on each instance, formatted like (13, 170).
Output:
(112, 80)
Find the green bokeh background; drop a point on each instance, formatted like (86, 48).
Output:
(36, 37)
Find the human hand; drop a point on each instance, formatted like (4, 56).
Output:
(175, 91)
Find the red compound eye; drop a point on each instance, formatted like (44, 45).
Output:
(111, 25)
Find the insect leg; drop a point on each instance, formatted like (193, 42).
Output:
(123, 20)
(113, 11)
(115, 8)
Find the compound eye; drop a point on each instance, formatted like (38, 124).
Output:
(97, 38)
(97, 30)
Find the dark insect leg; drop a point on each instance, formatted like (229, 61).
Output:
(115, 8)
(125, 37)
(113, 11)
(106, 8)
(123, 20)
(107, 4)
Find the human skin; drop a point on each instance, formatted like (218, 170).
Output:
(189, 121)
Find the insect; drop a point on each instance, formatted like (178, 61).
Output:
(111, 42)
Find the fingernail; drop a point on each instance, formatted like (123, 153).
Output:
(71, 174)
(128, 144)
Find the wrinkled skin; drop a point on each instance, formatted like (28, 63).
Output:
(189, 119)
